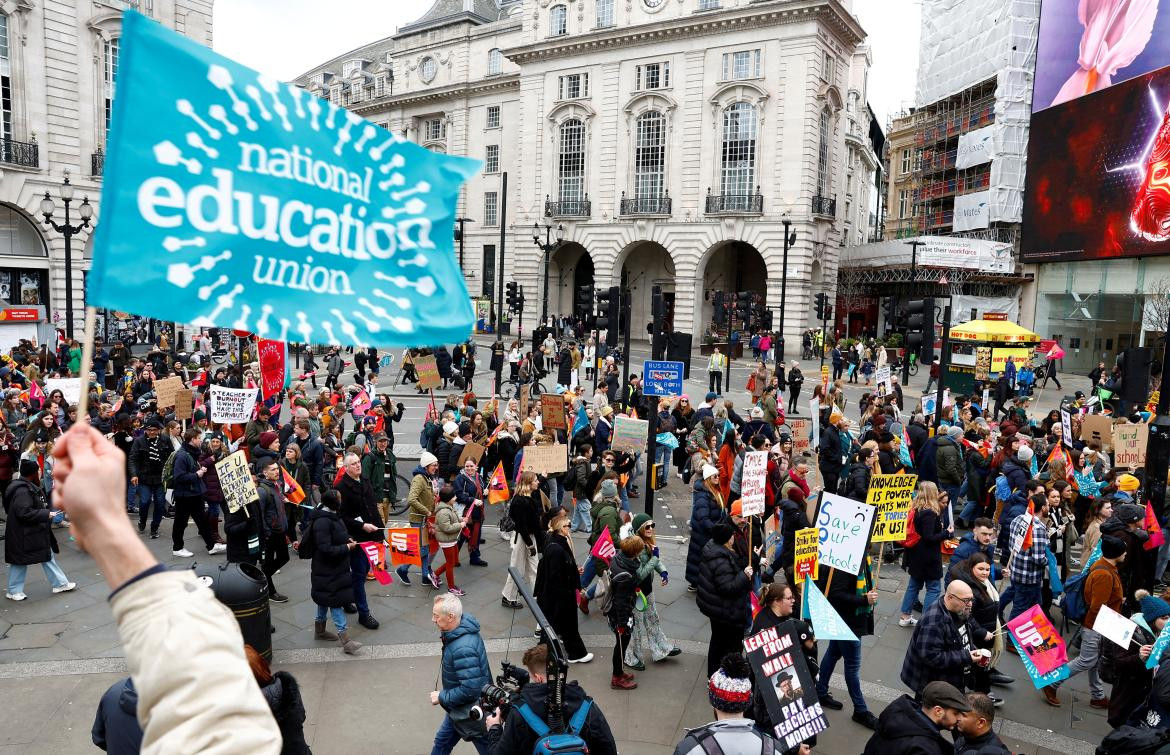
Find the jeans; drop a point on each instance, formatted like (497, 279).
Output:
(424, 550)
(662, 456)
(53, 573)
(971, 511)
(446, 738)
(913, 587)
(338, 615)
(851, 652)
(101, 378)
(1023, 597)
(359, 566)
(131, 497)
(148, 494)
(556, 491)
(588, 572)
(1088, 661)
(580, 520)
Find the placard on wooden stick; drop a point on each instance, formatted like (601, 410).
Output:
(428, 372)
(166, 390)
(552, 412)
(546, 459)
(184, 404)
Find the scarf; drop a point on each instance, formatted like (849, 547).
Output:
(862, 588)
(800, 483)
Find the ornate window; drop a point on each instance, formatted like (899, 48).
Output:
(109, 74)
(427, 70)
(558, 20)
(604, 13)
(650, 155)
(823, 155)
(495, 60)
(744, 64)
(571, 161)
(738, 159)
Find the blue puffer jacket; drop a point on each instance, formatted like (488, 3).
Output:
(967, 548)
(465, 667)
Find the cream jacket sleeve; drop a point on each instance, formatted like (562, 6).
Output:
(186, 655)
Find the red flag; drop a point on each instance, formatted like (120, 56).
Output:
(1026, 543)
(376, 553)
(492, 438)
(603, 549)
(292, 489)
(755, 605)
(1150, 525)
(199, 379)
(273, 357)
(498, 486)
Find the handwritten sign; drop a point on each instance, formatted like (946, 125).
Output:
(1129, 445)
(800, 438)
(428, 372)
(806, 554)
(523, 402)
(1098, 429)
(235, 480)
(630, 434)
(471, 450)
(184, 404)
(70, 388)
(232, 405)
(753, 482)
(166, 390)
(552, 412)
(843, 530)
(786, 684)
(892, 494)
(548, 459)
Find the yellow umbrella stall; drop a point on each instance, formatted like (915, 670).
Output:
(981, 348)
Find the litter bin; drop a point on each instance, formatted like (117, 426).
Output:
(244, 590)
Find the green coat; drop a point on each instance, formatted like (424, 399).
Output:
(448, 523)
(605, 514)
(374, 470)
(769, 407)
(421, 499)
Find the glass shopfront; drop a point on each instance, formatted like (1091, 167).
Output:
(24, 261)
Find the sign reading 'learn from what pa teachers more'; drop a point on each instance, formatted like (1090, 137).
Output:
(233, 200)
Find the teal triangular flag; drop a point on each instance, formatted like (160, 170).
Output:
(827, 623)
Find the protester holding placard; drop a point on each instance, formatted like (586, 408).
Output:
(778, 608)
(853, 598)
(923, 556)
(359, 513)
(729, 690)
(707, 511)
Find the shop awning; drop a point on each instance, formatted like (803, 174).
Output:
(993, 331)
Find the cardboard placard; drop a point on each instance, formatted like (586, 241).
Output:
(753, 481)
(1098, 428)
(471, 451)
(806, 554)
(800, 439)
(552, 412)
(892, 494)
(523, 402)
(427, 371)
(1129, 445)
(844, 526)
(788, 687)
(548, 459)
(166, 390)
(184, 404)
(235, 479)
(630, 434)
(232, 405)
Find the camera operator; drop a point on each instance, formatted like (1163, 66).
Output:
(515, 736)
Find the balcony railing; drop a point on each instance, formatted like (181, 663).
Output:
(20, 153)
(568, 208)
(646, 205)
(735, 204)
(97, 163)
(824, 206)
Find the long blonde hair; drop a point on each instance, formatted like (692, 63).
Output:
(527, 483)
(927, 497)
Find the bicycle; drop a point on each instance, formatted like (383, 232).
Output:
(511, 388)
(398, 504)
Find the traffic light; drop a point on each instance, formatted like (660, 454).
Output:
(520, 300)
(890, 313)
(920, 327)
(820, 305)
(720, 310)
(584, 301)
(766, 319)
(511, 295)
(608, 301)
(743, 308)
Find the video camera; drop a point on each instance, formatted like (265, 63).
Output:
(502, 694)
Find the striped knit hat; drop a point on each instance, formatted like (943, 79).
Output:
(730, 687)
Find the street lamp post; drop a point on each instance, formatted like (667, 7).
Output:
(547, 246)
(789, 239)
(85, 210)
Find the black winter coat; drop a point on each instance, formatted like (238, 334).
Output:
(565, 368)
(857, 481)
(622, 585)
(357, 501)
(924, 560)
(29, 537)
(525, 512)
(242, 528)
(988, 744)
(723, 587)
(443, 362)
(904, 729)
(705, 514)
(793, 518)
(115, 726)
(831, 452)
(840, 589)
(331, 584)
(283, 696)
(556, 585)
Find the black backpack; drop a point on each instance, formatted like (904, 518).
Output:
(307, 546)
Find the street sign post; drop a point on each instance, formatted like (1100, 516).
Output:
(662, 378)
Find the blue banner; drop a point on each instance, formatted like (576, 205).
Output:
(235, 201)
(1059, 674)
(1159, 645)
(1092, 559)
(827, 623)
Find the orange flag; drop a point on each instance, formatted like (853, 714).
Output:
(1027, 543)
(498, 486)
(292, 489)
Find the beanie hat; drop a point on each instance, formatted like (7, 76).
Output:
(427, 459)
(639, 521)
(712, 396)
(1128, 513)
(955, 431)
(730, 688)
(1128, 483)
(267, 437)
(1112, 547)
(199, 415)
(1152, 607)
(709, 472)
(450, 428)
(609, 489)
(1025, 454)
(737, 508)
(30, 468)
(465, 428)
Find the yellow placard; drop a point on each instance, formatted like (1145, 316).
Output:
(806, 562)
(892, 495)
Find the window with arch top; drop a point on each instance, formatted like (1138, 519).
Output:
(650, 155)
(571, 161)
(558, 20)
(738, 157)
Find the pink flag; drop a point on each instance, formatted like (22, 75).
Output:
(361, 404)
(1151, 526)
(36, 397)
(1035, 635)
(603, 549)
(377, 556)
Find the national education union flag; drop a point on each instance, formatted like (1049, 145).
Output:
(235, 201)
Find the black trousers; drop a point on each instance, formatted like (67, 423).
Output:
(190, 508)
(725, 638)
(275, 556)
(621, 642)
(716, 382)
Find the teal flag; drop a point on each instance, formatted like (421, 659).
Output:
(827, 623)
(233, 200)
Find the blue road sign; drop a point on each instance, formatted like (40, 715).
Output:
(662, 378)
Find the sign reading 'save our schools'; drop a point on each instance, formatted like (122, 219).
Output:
(235, 201)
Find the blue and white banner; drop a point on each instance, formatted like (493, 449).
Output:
(235, 201)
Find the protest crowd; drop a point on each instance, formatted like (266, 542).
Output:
(1018, 534)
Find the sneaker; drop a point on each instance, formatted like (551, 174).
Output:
(456, 592)
(639, 666)
(402, 577)
(433, 581)
(142, 526)
(67, 587)
(217, 548)
(182, 553)
(909, 622)
(1000, 679)
(276, 597)
(154, 535)
(536, 633)
(15, 595)
(692, 588)
(583, 659)
(513, 604)
(828, 701)
(866, 719)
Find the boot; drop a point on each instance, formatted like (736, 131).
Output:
(213, 521)
(321, 633)
(351, 647)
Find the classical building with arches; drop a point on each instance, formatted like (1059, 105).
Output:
(666, 141)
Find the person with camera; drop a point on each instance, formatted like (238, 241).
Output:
(464, 671)
(513, 734)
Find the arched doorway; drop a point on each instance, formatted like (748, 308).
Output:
(730, 267)
(640, 267)
(570, 280)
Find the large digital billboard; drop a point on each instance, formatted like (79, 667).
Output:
(1088, 45)
(1098, 181)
